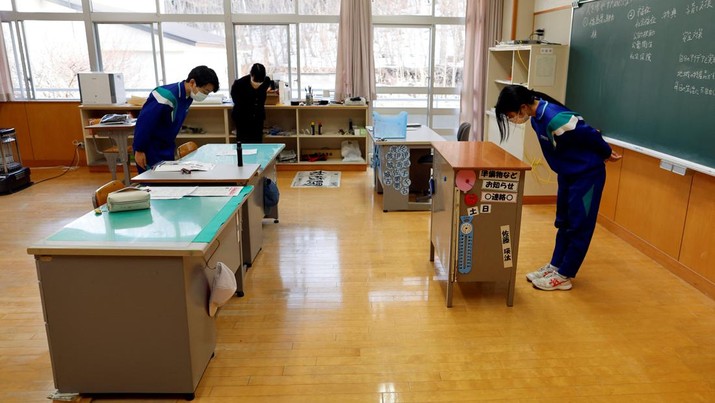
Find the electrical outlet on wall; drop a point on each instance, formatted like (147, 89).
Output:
(78, 143)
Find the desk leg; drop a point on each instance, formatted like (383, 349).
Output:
(121, 141)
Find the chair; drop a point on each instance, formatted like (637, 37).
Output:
(186, 149)
(463, 131)
(111, 154)
(100, 195)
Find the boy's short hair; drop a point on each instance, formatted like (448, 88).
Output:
(203, 75)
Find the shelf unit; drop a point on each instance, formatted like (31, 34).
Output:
(216, 126)
(542, 68)
(296, 120)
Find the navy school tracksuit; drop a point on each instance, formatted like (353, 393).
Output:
(577, 153)
(159, 123)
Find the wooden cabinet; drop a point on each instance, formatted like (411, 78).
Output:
(290, 125)
(542, 68)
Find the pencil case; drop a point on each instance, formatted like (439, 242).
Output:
(128, 199)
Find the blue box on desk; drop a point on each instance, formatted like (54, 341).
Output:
(389, 127)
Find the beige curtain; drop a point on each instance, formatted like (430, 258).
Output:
(5, 83)
(355, 69)
(483, 28)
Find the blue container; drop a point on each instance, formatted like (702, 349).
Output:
(389, 127)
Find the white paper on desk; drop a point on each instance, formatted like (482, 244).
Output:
(170, 192)
(208, 191)
(245, 151)
(177, 166)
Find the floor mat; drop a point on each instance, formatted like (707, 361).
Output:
(316, 179)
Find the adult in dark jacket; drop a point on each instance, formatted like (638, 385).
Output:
(249, 97)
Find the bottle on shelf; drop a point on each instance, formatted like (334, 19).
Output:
(350, 127)
(320, 128)
(312, 128)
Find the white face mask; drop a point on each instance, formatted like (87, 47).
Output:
(520, 119)
(198, 96)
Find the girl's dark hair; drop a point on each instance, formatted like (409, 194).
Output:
(203, 75)
(258, 72)
(511, 98)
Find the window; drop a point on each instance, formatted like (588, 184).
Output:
(152, 43)
(401, 56)
(268, 45)
(318, 56)
(262, 7)
(192, 7)
(319, 7)
(56, 52)
(187, 45)
(449, 8)
(419, 67)
(403, 7)
(130, 49)
(20, 89)
(124, 6)
(57, 6)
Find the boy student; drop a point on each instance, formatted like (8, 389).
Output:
(163, 114)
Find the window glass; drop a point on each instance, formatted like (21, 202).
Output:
(319, 7)
(45, 6)
(124, 6)
(401, 101)
(13, 59)
(446, 101)
(130, 49)
(265, 44)
(262, 7)
(191, 7)
(318, 55)
(401, 56)
(57, 51)
(401, 7)
(187, 45)
(449, 55)
(450, 8)
(5, 5)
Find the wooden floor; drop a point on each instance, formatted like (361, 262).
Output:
(342, 305)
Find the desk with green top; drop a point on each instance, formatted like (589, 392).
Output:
(265, 155)
(125, 295)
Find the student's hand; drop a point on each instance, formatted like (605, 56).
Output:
(614, 157)
(140, 159)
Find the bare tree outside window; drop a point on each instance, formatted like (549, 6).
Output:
(124, 6)
(262, 7)
(319, 7)
(192, 7)
(57, 51)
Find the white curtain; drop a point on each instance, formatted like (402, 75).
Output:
(5, 83)
(355, 69)
(482, 28)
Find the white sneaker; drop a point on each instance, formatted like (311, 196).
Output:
(541, 272)
(553, 281)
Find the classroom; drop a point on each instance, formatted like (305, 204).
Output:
(391, 265)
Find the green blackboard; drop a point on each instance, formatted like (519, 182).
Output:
(643, 71)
